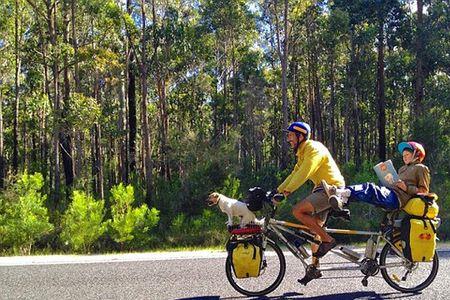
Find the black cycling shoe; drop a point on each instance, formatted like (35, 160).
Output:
(311, 273)
(324, 248)
(343, 214)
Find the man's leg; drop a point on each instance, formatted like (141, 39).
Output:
(303, 211)
(305, 208)
(314, 247)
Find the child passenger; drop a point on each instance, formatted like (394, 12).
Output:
(414, 178)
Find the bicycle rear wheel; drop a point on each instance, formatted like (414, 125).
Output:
(406, 277)
(272, 272)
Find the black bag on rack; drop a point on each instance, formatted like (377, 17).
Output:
(255, 198)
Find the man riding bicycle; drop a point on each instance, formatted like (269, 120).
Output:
(315, 163)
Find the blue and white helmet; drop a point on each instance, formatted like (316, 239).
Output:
(300, 127)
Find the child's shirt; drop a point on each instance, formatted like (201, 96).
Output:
(417, 179)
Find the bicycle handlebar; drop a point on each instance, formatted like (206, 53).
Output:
(276, 197)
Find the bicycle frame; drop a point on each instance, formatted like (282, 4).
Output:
(278, 227)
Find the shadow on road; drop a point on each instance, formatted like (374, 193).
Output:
(295, 296)
(443, 253)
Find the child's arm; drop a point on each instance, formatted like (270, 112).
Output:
(423, 184)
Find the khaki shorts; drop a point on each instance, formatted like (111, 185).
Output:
(319, 200)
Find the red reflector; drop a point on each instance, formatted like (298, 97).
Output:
(425, 236)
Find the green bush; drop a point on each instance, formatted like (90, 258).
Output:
(23, 215)
(231, 187)
(82, 223)
(130, 223)
(207, 229)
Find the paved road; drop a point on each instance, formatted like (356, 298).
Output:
(198, 275)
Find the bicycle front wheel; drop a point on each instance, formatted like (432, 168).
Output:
(406, 277)
(272, 272)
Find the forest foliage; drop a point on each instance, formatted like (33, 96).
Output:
(129, 113)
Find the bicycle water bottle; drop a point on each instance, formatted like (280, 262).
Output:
(299, 245)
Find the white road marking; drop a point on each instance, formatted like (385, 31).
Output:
(127, 257)
(107, 258)
(111, 258)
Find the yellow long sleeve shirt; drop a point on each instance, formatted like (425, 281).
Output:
(314, 162)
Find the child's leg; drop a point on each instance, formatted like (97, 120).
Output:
(374, 194)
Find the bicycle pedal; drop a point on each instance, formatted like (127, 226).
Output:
(364, 282)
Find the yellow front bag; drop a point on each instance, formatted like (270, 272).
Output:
(246, 258)
(422, 207)
(419, 237)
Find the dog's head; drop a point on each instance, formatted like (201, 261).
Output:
(213, 199)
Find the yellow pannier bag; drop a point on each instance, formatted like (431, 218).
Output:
(246, 257)
(422, 207)
(419, 238)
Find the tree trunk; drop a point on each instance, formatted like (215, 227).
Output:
(296, 88)
(311, 76)
(2, 157)
(131, 102)
(76, 74)
(419, 84)
(79, 157)
(97, 165)
(331, 118)
(235, 91)
(282, 50)
(15, 158)
(52, 24)
(123, 162)
(65, 139)
(315, 94)
(354, 58)
(380, 94)
(317, 104)
(25, 141)
(161, 82)
(161, 88)
(145, 128)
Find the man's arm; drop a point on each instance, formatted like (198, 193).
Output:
(301, 174)
(282, 186)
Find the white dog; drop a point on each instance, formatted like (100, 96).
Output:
(233, 208)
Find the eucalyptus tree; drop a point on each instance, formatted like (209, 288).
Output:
(386, 14)
(419, 51)
(65, 137)
(131, 89)
(233, 30)
(6, 53)
(334, 37)
(276, 15)
(146, 129)
(17, 42)
(47, 12)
